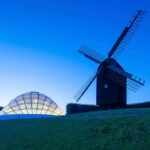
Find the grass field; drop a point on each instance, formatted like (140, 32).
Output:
(104, 130)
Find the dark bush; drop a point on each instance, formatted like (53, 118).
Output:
(1, 108)
(139, 105)
(80, 108)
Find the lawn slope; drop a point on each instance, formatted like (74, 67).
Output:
(127, 129)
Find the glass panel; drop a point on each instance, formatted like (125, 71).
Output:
(1, 113)
(43, 111)
(49, 113)
(54, 113)
(34, 100)
(15, 107)
(38, 111)
(53, 105)
(24, 111)
(19, 98)
(48, 101)
(12, 112)
(34, 95)
(41, 96)
(62, 114)
(20, 102)
(8, 110)
(45, 107)
(28, 106)
(27, 101)
(27, 95)
(57, 110)
(41, 101)
(34, 111)
(18, 112)
(51, 109)
(4, 113)
(12, 103)
(29, 111)
(34, 106)
(22, 106)
(6, 107)
(40, 106)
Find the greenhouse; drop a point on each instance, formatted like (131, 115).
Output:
(32, 103)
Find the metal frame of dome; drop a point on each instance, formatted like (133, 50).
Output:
(32, 103)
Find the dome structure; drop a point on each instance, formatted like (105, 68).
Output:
(32, 103)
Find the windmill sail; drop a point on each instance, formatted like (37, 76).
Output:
(91, 54)
(85, 87)
(126, 35)
(133, 82)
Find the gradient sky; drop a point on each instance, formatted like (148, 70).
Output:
(39, 40)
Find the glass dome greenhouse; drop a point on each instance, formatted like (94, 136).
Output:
(32, 103)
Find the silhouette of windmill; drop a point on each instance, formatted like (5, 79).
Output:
(112, 79)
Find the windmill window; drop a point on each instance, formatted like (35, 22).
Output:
(105, 86)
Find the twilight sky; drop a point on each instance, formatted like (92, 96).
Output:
(39, 40)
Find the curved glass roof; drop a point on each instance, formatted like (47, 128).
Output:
(32, 103)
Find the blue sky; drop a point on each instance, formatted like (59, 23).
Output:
(39, 40)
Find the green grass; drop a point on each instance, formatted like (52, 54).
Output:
(104, 130)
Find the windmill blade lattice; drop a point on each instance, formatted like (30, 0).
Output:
(127, 34)
(84, 88)
(126, 80)
(91, 54)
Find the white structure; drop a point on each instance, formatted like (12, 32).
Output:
(34, 104)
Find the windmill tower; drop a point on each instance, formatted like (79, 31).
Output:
(112, 79)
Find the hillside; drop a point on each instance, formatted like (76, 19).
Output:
(103, 130)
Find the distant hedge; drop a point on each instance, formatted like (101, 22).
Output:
(80, 108)
(1, 108)
(74, 108)
(139, 105)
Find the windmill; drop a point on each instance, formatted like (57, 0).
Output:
(112, 79)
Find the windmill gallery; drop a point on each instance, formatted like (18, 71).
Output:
(112, 79)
